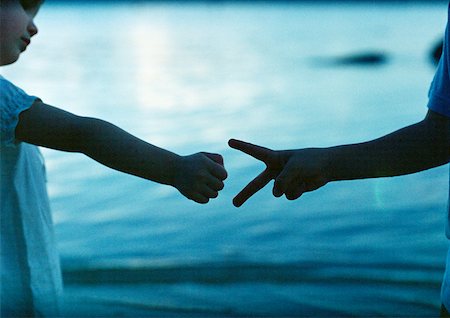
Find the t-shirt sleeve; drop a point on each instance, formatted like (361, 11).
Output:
(439, 94)
(13, 101)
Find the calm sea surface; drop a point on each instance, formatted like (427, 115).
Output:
(188, 78)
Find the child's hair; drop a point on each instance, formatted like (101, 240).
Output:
(29, 4)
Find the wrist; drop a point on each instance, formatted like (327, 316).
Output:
(175, 164)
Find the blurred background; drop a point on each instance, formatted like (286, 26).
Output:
(187, 76)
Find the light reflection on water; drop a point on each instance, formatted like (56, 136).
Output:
(188, 78)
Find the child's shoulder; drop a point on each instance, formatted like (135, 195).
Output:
(7, 88)
(6, 83)
(12, 94)
(13, 101)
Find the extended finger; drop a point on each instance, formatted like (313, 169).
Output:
(258, 152)
(254, 186)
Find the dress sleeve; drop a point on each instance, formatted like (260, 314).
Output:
(13, 101)
(439, 94)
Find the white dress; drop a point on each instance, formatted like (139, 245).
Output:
(31, 282)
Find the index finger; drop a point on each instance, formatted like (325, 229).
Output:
(252, 187)
(215, 157)
(216, 166)
(258, 152)
(218, 171)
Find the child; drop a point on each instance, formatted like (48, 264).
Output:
(30, 272)
(415, 148)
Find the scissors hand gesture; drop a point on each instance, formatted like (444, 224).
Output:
(294, 171)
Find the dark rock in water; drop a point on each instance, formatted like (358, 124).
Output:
(355, 59)
(362, 58)
(436, 52)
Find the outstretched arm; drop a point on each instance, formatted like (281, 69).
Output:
(414, 148)
(198, 177)
(411, 149)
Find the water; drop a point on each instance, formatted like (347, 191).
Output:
(188, 78)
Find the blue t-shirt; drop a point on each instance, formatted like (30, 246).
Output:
(439, 102)
(439, 95)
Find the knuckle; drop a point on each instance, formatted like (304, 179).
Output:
(224, 174)
(214, 195)
(220, 186)
(290, 195)
(201, 200)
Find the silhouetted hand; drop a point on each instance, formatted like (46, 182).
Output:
(200, 176)
(294, 171)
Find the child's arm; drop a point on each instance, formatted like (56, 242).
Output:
(415, 148)
(199, 177)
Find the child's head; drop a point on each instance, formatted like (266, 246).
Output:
(16, 27)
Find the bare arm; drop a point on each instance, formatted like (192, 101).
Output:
(414, 148)
(198, 177)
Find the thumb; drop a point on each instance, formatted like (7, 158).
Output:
(214, 157)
